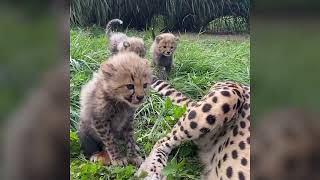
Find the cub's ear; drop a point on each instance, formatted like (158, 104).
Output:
(107, 69)
(176, 38)
(126, 44)
(158, 39)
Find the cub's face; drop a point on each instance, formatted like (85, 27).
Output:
(128, 79)
(166, 44)
(132, 89)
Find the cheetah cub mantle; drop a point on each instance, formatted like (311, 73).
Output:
(108, 103)
(119, 42)
(162, 49)
(218, 124)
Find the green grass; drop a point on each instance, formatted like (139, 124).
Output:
(200, 60)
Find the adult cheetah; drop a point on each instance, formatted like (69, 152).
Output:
(219, 124)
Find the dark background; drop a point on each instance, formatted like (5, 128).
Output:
(174, 15)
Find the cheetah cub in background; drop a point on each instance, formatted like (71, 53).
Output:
(120, 42)
(162, 49)
(108, 103)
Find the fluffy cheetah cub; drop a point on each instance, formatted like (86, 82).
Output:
(162, 49)
(219, 124)
(120, 42)
(108, 102)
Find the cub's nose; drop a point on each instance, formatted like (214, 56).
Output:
(140, 98)
(168, 52)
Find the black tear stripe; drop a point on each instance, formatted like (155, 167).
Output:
(132, 77)
(130, 97)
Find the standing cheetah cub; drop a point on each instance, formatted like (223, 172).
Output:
(219, 124)
(108, 103)
(120, 42)
(162, 49)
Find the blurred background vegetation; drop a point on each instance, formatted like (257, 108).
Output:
(217, 16)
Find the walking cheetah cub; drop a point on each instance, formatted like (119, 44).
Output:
(219, 124)
(119, 42)
(162, 49)
(108, 103)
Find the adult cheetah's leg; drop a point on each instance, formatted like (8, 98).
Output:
(209, 115)
(164, 89)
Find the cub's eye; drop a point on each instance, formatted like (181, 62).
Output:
(171, 47)
(145, 85)
(164, 46)
(130, 86)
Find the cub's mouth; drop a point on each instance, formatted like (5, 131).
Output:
(166, 54)
(129, 99)
(135, 103)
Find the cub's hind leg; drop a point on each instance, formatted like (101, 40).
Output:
(92, 148)
(89, 144)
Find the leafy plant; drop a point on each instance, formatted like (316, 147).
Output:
(174, 170)
(74, 145)
(172, 112)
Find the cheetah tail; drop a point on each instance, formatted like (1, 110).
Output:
(110, 24)
(164, 89)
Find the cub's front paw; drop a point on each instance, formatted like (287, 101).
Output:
(119, 162)
(102, 157)
(137, 160)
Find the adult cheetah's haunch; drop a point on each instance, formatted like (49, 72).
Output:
(219, 124)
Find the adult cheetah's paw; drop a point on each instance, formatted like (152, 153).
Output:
(147, 175)
(147, 171)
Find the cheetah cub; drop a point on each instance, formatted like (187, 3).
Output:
(120, 42)
(162, 49)
(108, 103)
